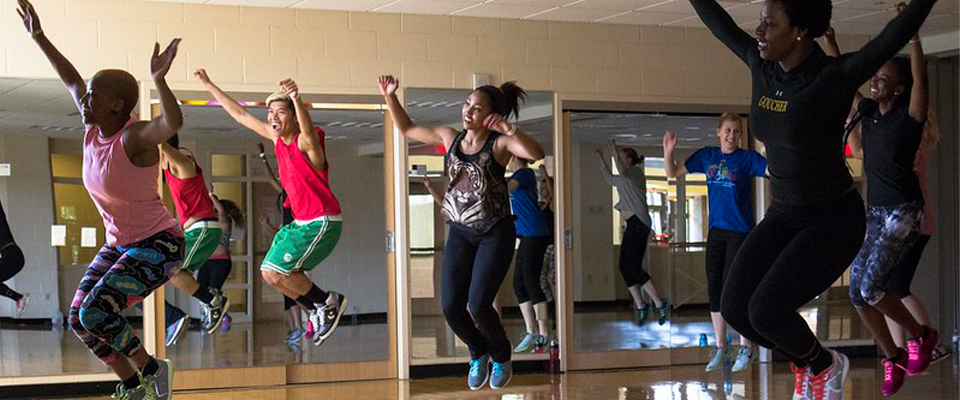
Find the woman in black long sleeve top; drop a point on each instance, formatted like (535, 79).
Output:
(815, 225)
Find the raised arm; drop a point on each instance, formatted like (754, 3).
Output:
(266, 164)
(920, 92)
(423, 134)
(832, 49)
(237, 111)
(725, 28)
(669, 164)
(856, 148)
(68, 74)
(180, 161)
(308, 141)
(605, 168)
(222, 216)
(159, 129)
(861, 65)
(514, 140)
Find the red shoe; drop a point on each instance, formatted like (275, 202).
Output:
(800, 387)
(893, 370)
(921, 351)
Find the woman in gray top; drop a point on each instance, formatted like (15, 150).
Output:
(631, 186)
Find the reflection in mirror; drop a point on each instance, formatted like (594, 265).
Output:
(262, 326)
(681, 222)
(433, 340)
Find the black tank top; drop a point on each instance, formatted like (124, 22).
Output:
(477, 196)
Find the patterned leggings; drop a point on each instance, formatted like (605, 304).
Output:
(891, 232)
(119, 278)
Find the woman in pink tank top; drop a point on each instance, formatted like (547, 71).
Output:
(304, 174)
(144, 244)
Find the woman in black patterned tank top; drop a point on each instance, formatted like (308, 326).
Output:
(477, 254)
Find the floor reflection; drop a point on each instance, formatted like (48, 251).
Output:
(765, 382)
(433, 339)
(613, 329)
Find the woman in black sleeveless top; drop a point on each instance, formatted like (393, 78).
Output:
(891, 126)
(477, 254)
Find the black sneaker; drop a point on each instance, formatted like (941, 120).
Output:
(326, 318)
(642, 314)
(214, 312)
(663, 311)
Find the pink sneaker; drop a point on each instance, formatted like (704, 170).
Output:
(893, 370)
(921, 351)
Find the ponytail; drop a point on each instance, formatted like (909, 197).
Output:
(506, 99)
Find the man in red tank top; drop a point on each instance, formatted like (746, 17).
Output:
(299, 246)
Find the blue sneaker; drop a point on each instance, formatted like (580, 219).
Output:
(502, 372)
(176, 330)
(526, 343)
(226, 323)
(479, 372)
(295, 334)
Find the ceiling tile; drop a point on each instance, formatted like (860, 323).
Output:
(675, 6)
(352, 5)
(574, 14)
(534, 3)
(254, 3)
(497, 10)
(617, 5)
(425, 6)
(644, 18)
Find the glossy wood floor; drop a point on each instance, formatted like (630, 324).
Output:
(763, 382)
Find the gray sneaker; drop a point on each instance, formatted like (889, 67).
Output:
(160, 382)
(526, 343)
(213, 313)
(828, 385)
(717, 357)
(142, 392)
(500, 374)
(745, 357)
(327, 318)
(479, 372)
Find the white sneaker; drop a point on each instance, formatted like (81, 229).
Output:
(828, 384)
(717, 357)
(745, 357)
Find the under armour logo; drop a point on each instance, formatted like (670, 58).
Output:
(779, 93)
(170, 247)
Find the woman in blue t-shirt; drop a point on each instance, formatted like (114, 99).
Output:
(729, 171)
(534, 238)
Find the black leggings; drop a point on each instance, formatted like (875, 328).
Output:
(212, 274)
(474, 267)
(11, 263)
(790, 258)
(722, 246)
(633, 247)
(902, 276)
(528, 268)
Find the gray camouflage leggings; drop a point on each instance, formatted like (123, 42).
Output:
(891, 231)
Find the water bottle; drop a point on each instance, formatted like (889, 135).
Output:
(554, 357)
(703, 340)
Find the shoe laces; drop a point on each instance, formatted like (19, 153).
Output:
(888, 366)
(800, 385)
(323, 311)
(819, 383)
(497, 369)
(913, 347)
(475, 367)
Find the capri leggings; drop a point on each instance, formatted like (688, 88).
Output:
(633, 247)
(902, 276)
(11, 263)
(891, 232)
(793, 255)
(118, 278)
(722, 246)
(528, 268)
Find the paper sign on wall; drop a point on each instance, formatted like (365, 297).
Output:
(5, 169)
(88, 237)
(58, 235)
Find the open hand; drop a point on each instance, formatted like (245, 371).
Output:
(31, 20)
(388, 84)
(160, 62)
(425, 180)
(498, 123)
(669, 142)
(201, 75)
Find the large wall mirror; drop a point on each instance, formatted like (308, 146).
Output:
(611, 314)
(433, 342)
(264, 327)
